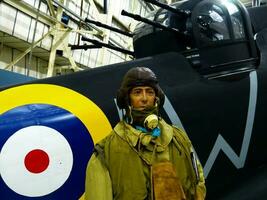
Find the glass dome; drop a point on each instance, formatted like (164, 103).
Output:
(219, 21)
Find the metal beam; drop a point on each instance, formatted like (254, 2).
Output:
(51, 8)
(93, 32)
(67, 50)
(51, 62)
(19, 57)
(33, 39)
(75, 15)
(31, 11)
(57, 40)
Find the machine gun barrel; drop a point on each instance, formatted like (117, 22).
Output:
(147, 21)
(85, 47)
(98, 43)
(108, 27)
(167, 7)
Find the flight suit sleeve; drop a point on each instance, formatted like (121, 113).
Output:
(201, 188)
(98, 183)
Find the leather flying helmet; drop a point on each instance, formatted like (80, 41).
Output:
(138, 76)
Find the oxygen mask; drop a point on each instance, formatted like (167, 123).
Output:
(145, 120)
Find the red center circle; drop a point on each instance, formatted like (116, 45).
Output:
(36, 161)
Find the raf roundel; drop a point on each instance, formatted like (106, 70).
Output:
(46, 139)
(44, 152)
(31, 155)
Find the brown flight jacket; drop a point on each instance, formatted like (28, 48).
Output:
(120, 167)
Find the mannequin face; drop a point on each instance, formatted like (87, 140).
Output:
(142, 97)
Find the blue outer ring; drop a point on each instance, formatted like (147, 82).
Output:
(69, 126)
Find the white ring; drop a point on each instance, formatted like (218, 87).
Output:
(14, 151)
